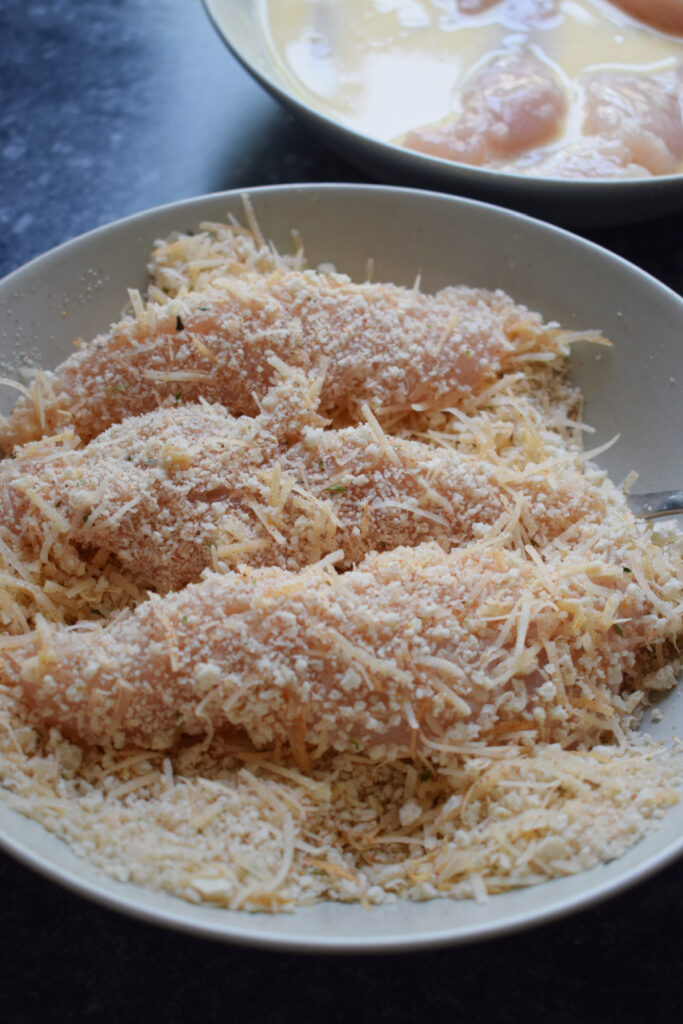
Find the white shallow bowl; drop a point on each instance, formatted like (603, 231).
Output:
(571, 203)
(80, 287)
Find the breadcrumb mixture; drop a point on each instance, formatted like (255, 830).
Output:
(309, 591)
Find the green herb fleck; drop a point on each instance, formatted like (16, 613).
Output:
(355, 744)
(183, 619)
(468, 353)
(178, 395)
(336, 489)
(13, 455)
(178, 722)
(626, 569)
(425, 776)
(129, 458)
(86, 517)
(119, 387)
(179, 325)
(617, 629)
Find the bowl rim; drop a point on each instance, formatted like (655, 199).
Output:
(110, 893)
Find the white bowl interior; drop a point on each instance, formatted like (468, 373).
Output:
(635, 389)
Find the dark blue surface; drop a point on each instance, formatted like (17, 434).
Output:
(107, 108)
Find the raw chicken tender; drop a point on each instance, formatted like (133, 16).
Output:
(411, 651)
(665, 15)
(632, 128)
(515, 103)
(642, 113)
(590, 157)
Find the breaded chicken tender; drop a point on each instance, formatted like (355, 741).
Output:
(382, 344)
(178, 490)
(413, 651)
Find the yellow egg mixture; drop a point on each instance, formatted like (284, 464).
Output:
(385, 67)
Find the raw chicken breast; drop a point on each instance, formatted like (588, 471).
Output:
(642, 112)
(516, 102)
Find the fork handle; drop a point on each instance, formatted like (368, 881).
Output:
(655, 504)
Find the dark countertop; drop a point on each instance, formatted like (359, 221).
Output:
(107, 109)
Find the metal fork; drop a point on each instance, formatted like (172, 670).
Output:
(655, 504)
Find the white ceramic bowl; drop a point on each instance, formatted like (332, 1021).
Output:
(636, 389)
(571, 203)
